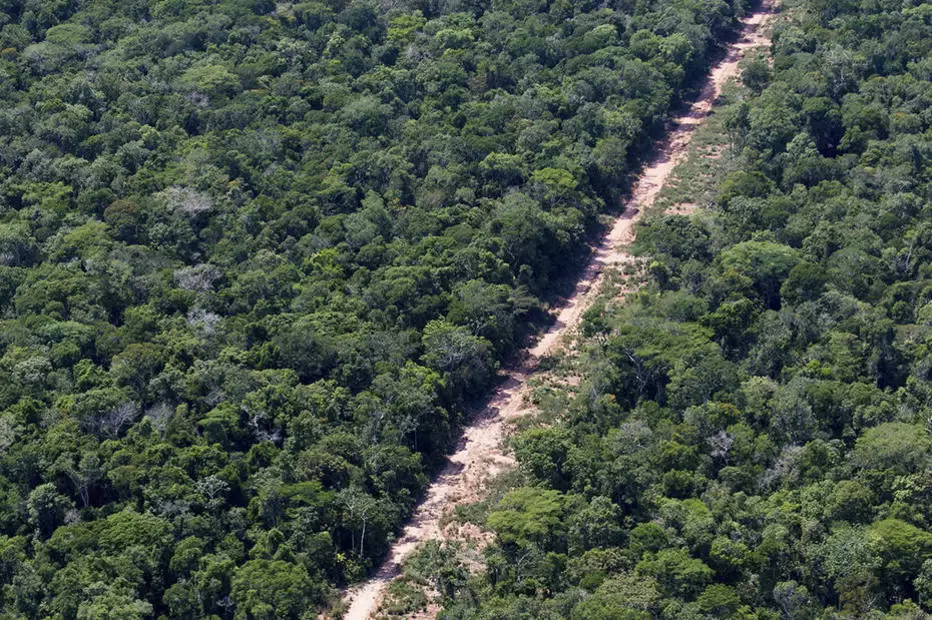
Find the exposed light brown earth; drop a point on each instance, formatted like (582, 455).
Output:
(480, 454)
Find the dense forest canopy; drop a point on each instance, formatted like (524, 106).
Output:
(256, 257)
(751, 438)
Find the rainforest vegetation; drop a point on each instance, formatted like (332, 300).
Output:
(751, 436)
(257, 257)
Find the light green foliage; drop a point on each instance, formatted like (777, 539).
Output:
(528, 516)
(902, 448)
(677, 573)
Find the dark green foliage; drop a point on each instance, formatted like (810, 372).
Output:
(257, 258)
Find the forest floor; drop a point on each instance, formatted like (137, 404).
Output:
(481, 453)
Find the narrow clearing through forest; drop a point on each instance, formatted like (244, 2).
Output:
(480, 454)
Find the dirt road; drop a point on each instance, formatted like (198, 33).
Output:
(480, 454)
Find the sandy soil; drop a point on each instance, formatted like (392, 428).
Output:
(480, 454)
